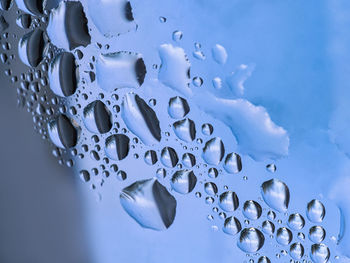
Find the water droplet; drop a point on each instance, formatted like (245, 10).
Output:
(169, 157)
(97, 117)
(84, 175)
(120, 70)
(264, 259)
(250, 240)
(296, 251)
(296, 221)
(161, 173)
(207, 129)
(284, 236)
(252, 210)
(151, 157)
(162, 19)
(197, 81)
(24, 21)
(183, 181)
(268, 227)
(317, 234)
(121, 175)
(141, 119)
(62, 132)
(232, 226)
(189, 160)
(219, 54)
(76, 34)
(31, 48)
(315, 211)
(177, 35)
(271, 168)
(62, 74)
(178, 107)
(210, 188)
(320, 253)
(213, 151)
(149, 203)
(233, 163)
(229, 201)
(117, 146)
(276, 194)
(185, 130)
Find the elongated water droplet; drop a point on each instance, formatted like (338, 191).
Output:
(211, 188)
(31, 48)
(213, 151)
(62, 132)
(268, 227)
(169, 157)
(315, 211)
(233, 163)
(151, 157)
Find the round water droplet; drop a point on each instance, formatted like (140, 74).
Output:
(315, 211)
(169, 157)
(183, 181)
(276, 194)
(232, 226)
(284, 236)
(213, 172)
(252, 210)
(213, 151)
(197, 81)
(177, 35)
(250, 240)
(296, 251)
(264, 259)
(296, 221)
(117, 146)
(185, 130)
(178, 107)
(207, 129)
(121, 175)
(97, 117)
(320, 253)
(268, 227)
(84, 175)
(151, 157)
(317, 234)
(233, 163)
(210, 188)
(229, 201)
(189, 160)
(271, 168)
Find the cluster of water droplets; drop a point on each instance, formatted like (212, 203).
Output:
(90, 108)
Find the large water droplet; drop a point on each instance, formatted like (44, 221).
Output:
(319, 253)
(97, 117)
(250, 240)
(213, 151)
(175, 68)
(296, 251)
(252, 210)
(229, 201)
(315, 211)
(112, 18)
(317, 234)
(178, 107)
(67, 26)
(296, 221)
(120, 70)
(183, 181)
(32, 7)
(189, 160)
(117, 146)
(268, 227)
(185, 130)
(62, 74)
(232, 226)
(284, 236)
(141, 119)
(149, 203)
(62, 132)
(276, 194)
(31, 48)
(233, 163)
(169, 157)
(210, 188)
